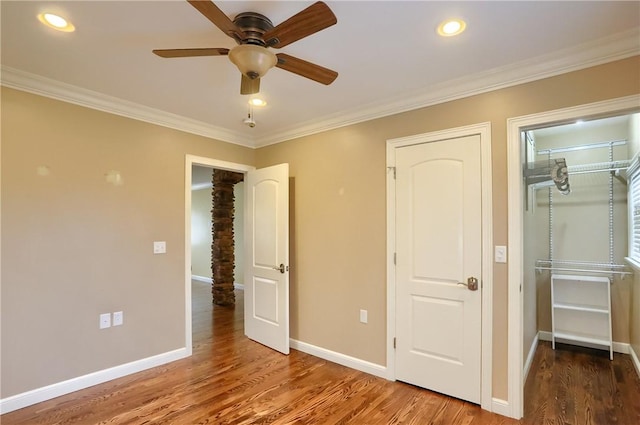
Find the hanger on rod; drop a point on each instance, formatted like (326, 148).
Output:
(554, 171)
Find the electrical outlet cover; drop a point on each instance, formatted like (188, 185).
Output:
(105, 320)
(118, 318)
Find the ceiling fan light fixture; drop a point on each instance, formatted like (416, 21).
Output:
(252, 60)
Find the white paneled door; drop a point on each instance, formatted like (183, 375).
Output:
(266, 315)
(439, 263)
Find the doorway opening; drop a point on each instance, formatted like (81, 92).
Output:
(198, 242)
(567, 231)
(217, 236)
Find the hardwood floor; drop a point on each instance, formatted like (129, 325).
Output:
(574, 385)
(232, 380)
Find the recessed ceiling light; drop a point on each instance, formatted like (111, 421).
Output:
(451, 27)
(56, 22)
(256, 101)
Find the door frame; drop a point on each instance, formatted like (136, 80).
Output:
(191, 160)
(484, 131)
(515, 193)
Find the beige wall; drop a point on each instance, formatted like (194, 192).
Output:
(201, 232)
(340, 207)
(87, 244)
(75, 246)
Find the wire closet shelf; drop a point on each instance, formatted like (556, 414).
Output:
(583, 267)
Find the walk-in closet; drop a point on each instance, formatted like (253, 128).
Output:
(576, 232)
(577, 288)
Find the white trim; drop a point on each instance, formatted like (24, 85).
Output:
(339, 358)
(633, 263)
(38, 395)
(32, 83)
(532, 353)
(201, 278)
(236, 285)
(618, 347)
(190, 161)
(499, 406)
(634, 359)
(608, 49)
(515, 227)
(484, 130)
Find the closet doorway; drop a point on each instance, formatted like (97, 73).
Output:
(574, 227)
(576, 284)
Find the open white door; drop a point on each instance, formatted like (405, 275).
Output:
(266, 301)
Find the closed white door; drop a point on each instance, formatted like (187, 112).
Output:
(266, 303)
(439, 254)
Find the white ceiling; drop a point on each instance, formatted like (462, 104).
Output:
(387, 53)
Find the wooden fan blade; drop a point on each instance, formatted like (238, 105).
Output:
(306, 69)
(314, 18)
(218, 18)
(249, 86)
(184, 53)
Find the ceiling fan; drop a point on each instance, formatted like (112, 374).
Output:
(255, 34)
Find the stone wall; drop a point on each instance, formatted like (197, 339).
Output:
(222, 249)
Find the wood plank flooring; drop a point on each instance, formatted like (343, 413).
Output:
(232, 380)
(574, 385)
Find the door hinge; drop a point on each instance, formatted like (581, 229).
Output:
(394, 342)
(394, 171)
(521, 287)
(394, 259)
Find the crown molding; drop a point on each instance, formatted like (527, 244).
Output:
(616, 47)
(32, 83)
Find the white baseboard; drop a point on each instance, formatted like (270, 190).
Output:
(634, 359)
(342, 359)
(201, 278)
(532, 352)
(204, 279)
(28, 398)
(618, 347)
(501, 407)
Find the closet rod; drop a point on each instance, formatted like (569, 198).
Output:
(606, 144)
(569, 269)
(582, 263)
(598, 167)
(582, 267)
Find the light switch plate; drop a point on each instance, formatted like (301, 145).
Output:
(363, 316)
(501, 254)
(159, 247)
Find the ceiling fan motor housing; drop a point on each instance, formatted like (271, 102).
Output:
(254, 25)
